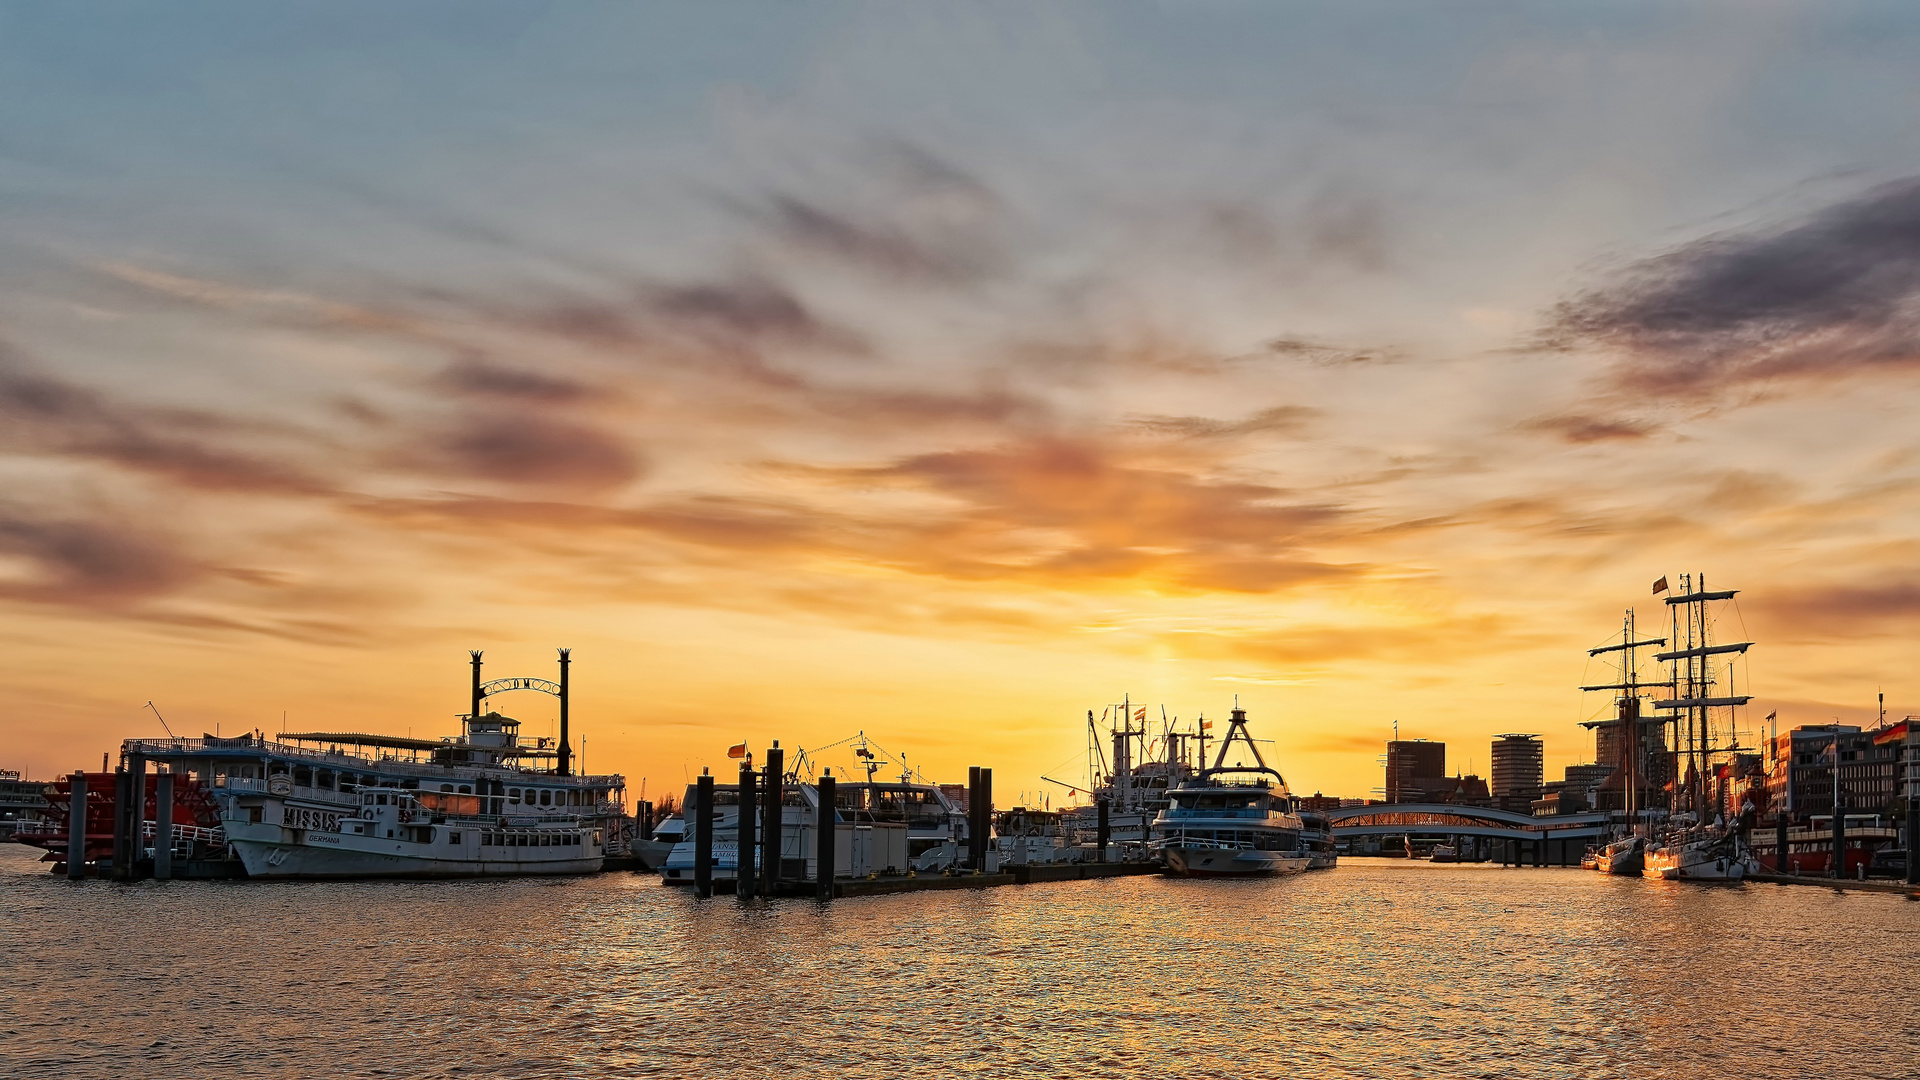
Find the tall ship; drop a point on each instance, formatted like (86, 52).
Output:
(1673, 736)
(1232, 820)
(1624, 742)
(341, 804)
(1706, 839)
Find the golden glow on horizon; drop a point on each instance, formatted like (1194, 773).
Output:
(952, 445)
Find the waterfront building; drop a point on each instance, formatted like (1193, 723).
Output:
(21, 802)
(1318, 802)
(1574, 794)
(1800, 767)
(1873, 766)
(1518, 769)
(1416, 770)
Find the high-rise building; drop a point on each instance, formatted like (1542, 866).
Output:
(1414, 767)
(1519, 766)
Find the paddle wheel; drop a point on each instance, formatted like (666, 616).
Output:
(194, 814)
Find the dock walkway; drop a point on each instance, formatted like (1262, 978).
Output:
(1841, 884)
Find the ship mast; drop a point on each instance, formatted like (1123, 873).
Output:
(1629, 713)
(1695, 672)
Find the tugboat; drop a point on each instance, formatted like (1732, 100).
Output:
(1232, 820)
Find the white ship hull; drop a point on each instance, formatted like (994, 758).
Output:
(1229, 862)
(395, 837)
(308, 860)
(1694, 862)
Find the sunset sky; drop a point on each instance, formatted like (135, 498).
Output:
(946, 371)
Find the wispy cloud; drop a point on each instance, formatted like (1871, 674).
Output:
(1834, 293)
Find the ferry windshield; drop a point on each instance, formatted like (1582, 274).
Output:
(1216, 801)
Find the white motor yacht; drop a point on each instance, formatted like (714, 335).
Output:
(1232, 820)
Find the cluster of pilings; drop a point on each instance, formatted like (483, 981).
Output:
(130, 794)
(761, 817)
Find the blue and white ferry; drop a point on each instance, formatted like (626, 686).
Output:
(1232, 820)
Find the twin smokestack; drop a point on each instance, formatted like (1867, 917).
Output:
(566, 660)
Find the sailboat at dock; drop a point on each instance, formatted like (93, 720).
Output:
(1702, 843)
(1624, 853)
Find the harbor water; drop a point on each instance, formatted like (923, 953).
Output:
(1381, 968)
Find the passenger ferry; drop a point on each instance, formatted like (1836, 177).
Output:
(400, 832)
(1232, 820)
(1810, 845)
(346, 804)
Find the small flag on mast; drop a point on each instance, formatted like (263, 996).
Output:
(738, 750)
(1660, 586)
(1773, 714)
(1140, 714)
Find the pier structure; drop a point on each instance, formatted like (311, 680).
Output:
(1518, 838)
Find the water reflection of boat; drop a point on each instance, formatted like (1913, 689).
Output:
(1231, 820)
(1444, 853)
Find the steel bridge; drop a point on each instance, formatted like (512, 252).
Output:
(1558, 840)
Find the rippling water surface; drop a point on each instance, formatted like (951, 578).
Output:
(1376, 969)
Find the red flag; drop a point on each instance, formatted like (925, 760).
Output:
(1660, 586)
(1140, 714)
(737, 751)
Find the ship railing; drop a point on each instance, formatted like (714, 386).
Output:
(308, 793)
(1200, 842)
(41, 829)
(185, 836)
(389, 762)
